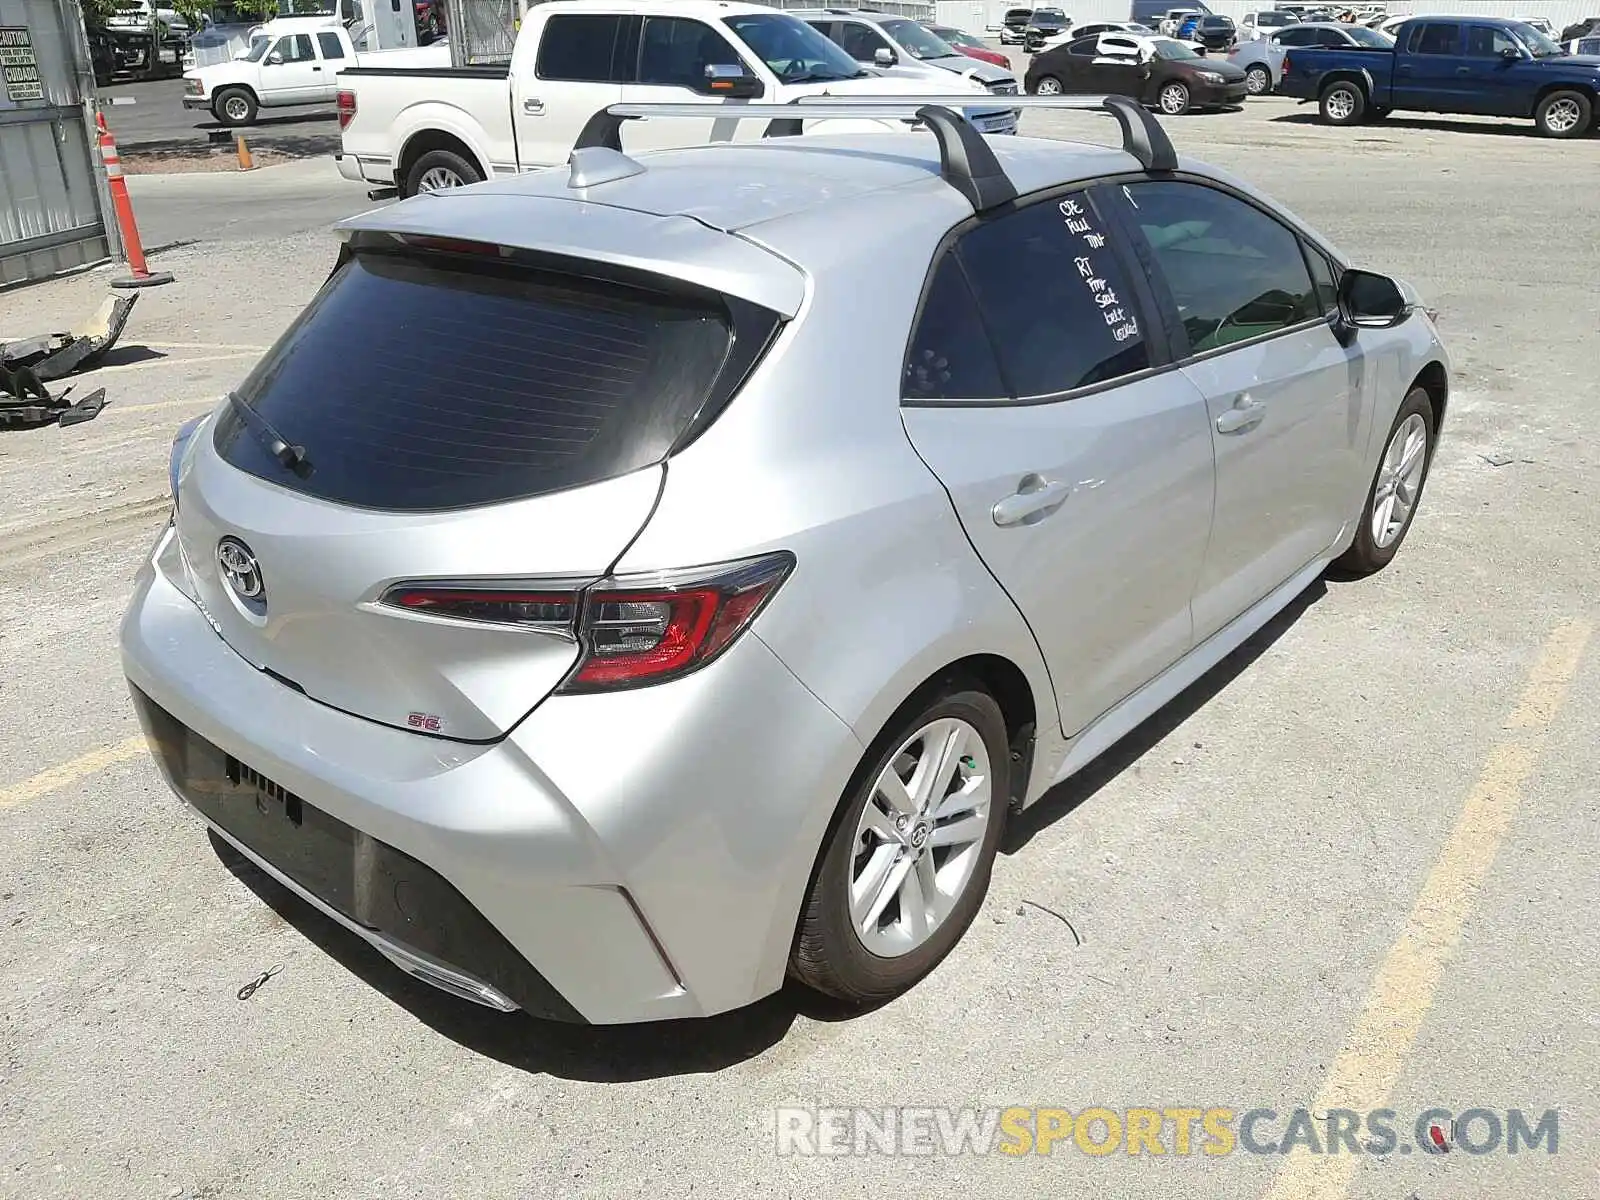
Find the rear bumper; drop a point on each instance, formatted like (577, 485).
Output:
(626, 857)
(364, 170)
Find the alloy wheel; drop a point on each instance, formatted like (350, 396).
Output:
(1049, 87)
(1257, 82)
(1399, 480)
(439, 179)
(1174, 99)
(1562, 116)
(236, 108)
(920, 837)
(1341, 104)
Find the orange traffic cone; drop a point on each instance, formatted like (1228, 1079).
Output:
(246, 163)
(140, 274)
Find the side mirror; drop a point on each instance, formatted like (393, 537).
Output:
(275, 59)
(1368, 300)
(1511, 54)
(884, 57)
(731, 81)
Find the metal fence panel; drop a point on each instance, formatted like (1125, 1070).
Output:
(52, 210)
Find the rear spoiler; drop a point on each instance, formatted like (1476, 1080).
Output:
(965, 160)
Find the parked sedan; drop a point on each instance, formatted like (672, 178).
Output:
(1262, 60)
(1046, 24)
(1215, 32)
(1157, 71)
(970, 46)
(724, 654)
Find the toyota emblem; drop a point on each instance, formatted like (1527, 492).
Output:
(240, 569)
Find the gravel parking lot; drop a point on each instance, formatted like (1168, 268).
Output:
(1352, 868)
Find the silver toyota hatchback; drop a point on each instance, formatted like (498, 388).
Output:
(696, 557)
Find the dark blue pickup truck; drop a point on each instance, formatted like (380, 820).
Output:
(1484, 65)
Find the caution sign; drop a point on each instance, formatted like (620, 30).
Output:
(18, 66)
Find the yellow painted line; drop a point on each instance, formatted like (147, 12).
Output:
(1368, 1067)
(60, 776)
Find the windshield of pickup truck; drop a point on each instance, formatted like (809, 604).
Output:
(919, 42)
(795, 52)
(1170, 50)
(1539, 45)
(1369, 38)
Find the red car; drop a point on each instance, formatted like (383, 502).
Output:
(970, 46)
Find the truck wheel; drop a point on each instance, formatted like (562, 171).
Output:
(440, 170)
(234, 106)
(1563, 114)
(1343, 103)
(1258, 80)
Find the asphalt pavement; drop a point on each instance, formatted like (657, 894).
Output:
(151, 124)
(1353, 867)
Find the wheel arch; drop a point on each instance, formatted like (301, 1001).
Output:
(426, 140)
(1434, 380)
(1361, 79)
(223, 89)
(1583, 89)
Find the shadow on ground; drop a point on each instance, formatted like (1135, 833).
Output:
(1485, 129)
(1066, 798)
(593, 1053)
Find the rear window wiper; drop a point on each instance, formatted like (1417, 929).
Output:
(291, 456)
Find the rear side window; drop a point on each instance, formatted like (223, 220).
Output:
(415, 383)
(578, 48)
(950, 356)
(331, 49)
(1435, 38)
(1053, 293)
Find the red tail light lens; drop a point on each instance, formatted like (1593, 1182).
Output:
(637, 636)
(634, 631)
(1287, 59)
(346, 101)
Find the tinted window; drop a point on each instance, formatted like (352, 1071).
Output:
(859, 41)
(1234, 272)
(1054, 294)
(1436, 38)
(1485, 41)
(1294, 37)
(1087, 48)
(676, 51)
(950, 356)
(330, 45)
(474, 386)
(577, 48)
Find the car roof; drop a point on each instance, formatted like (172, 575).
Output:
(694, 8)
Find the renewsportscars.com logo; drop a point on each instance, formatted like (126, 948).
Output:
(1178, 1130)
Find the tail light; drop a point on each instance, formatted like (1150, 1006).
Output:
(634, 630)
(1288, 59)
(346, 101)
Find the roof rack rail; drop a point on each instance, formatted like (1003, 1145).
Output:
(966, 160)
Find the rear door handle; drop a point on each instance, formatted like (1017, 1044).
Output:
(1034, 500)
(1245, 414)
(534, 108)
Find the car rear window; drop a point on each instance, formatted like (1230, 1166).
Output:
(418, 383)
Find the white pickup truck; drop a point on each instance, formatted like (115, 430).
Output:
(291, 61)
(423, 130)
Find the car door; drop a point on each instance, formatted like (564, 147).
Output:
(1497, 70)
(581, 62)
(1081, 470)
(290, 72)
(1426, 75)
(1074, 64)
(1286, 398)
(1117, 69)
(330, 51)
(674, 53)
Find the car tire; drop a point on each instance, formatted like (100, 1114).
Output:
(1173, 99)
(842, 947)
(1399, 479)
(1046, 85)
(1343, 103)
(435, 170)
(1257, 80)
(1564, 114)
(234, 106)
